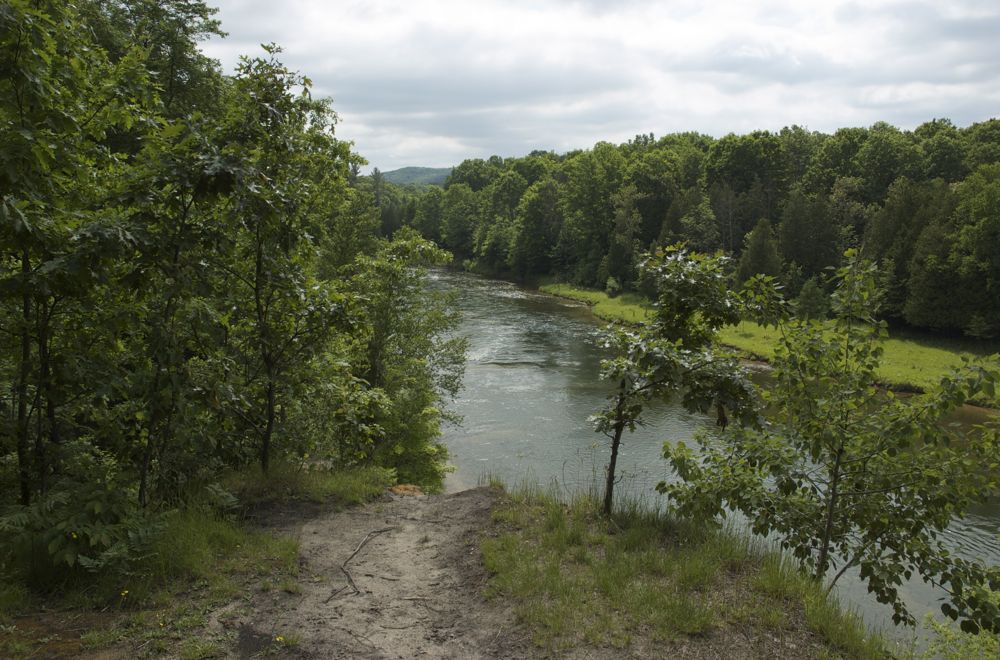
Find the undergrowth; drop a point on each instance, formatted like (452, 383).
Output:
(202, 556)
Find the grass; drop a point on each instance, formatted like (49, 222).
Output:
(642, 580)
(288, 481)
(202, 559)
(908, 363)
(628, 307)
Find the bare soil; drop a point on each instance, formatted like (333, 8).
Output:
(401, 577)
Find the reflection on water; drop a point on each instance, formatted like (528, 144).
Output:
(530, 385)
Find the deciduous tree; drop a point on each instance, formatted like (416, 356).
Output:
(845, 474)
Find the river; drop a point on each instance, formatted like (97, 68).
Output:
(531, 383)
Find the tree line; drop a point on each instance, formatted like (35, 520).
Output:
(924, 204)
(190, 280)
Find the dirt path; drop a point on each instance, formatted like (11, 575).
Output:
(413, 587)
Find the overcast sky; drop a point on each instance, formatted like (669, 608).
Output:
(420, 82)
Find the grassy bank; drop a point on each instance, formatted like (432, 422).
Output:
(647, 585)
(204, 555)
(907, 363)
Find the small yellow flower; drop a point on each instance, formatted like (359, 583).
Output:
(279, 639)
(124, 593)
(72, 535)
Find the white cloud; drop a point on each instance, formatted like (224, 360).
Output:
(432, 83)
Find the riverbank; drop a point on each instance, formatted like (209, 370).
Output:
(473, 574)
(642, 584)
(481, 573)
(908, 365)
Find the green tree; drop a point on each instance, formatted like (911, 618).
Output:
(168, 33)
(807, 236)
(59, 99)
(409, 352)
(172, 191)
(676, 356)
(942, 149)
(655, 175)
(982, 144)
(848, 475)
(978, 219)
(700, 228)
(813, 302)
(835, 158)
(760, 256)
(935, 291)
(475, 173)
(285, 149)
(799, 147)
(460, 210)
(427, 217)
(848, 212)
(743, 160)
(591, 180)
(494, 233)
(536, 228)
(620, 261)
(726, 207)
(886, 155)
(896, 227)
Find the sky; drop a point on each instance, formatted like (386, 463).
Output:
(431, 83)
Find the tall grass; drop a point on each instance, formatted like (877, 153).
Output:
(286, 481)
(642, 577)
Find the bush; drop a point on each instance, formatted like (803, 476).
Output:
(613, 287)
(93, 526)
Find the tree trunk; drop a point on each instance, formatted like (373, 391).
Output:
(45, 379)
(831, 509)
(265, 450)
(263, 331)
(24, 372)
(609, 486)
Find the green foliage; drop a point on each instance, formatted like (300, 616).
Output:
(949, 642)
(807, 236)
(536, 227)
(761, 255)
(190, 270)
(459, 213)
(845, 474)
(674, 356)
(813, 302)
(91, 526)
(410, 353)
(875, 189)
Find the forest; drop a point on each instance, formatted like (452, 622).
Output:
(924, 204)
(188, 274)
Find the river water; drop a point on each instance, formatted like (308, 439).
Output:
(531, 382)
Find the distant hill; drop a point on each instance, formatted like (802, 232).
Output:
(421, 176)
